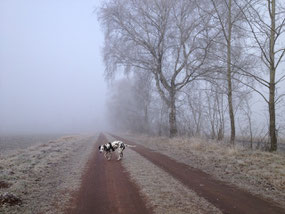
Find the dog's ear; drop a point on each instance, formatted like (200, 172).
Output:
(99, 147)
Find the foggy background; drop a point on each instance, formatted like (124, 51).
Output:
(51, 71)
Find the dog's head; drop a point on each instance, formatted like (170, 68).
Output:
(101, 148)
(106, 147)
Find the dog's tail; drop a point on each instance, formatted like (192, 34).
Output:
(127, 145)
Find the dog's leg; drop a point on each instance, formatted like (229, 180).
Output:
(120, 152)
(108, 155)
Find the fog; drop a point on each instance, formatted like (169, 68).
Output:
(52, 72)
(51, 69)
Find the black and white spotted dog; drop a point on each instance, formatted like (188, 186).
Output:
(110, 147)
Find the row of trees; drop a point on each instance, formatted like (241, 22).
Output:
(196, 53)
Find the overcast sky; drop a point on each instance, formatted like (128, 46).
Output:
(51, 69)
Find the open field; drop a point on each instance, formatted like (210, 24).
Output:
(45, 175)
(10, 143)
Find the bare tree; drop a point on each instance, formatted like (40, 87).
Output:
(266, 23)
(161, 115)
(246, 109)
(196, 108)
(215, 111)
(191, 110)
(228, 19)
(168, 38)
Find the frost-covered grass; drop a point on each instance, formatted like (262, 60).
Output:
(13, 143)
(165, 194)
(259, 172)
(44, 176)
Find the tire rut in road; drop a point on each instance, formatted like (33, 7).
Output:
(106, 188)
(227, 198)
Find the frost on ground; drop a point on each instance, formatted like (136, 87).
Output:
(44, 176)
(261, 173)
(11, 143)
(165, 194)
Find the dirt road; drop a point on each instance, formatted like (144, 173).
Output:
(106, 188)
(229, 199)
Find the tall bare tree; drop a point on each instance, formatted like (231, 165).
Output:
(228, 19)
(266, 23)
(168, 38)
(226, 24)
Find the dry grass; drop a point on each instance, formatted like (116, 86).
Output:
(259, 172)
(43, 176)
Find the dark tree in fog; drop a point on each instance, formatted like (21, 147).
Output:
(143, 89)
(128, 107)
(169, 39)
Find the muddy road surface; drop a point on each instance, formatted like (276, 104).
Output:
(106, 188)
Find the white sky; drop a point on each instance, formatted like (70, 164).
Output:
(51, 69)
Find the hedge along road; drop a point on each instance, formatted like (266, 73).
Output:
(106, 188)
(228, 198)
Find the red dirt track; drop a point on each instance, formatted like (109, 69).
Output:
(228, 198)
(107, 189)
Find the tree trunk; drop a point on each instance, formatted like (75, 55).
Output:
(271, 103)
(272, 123)
(250, 131)
(220, 133)
(146, 128)
(229, 75)
(172, 116)
(231, 113)
(213, 132)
